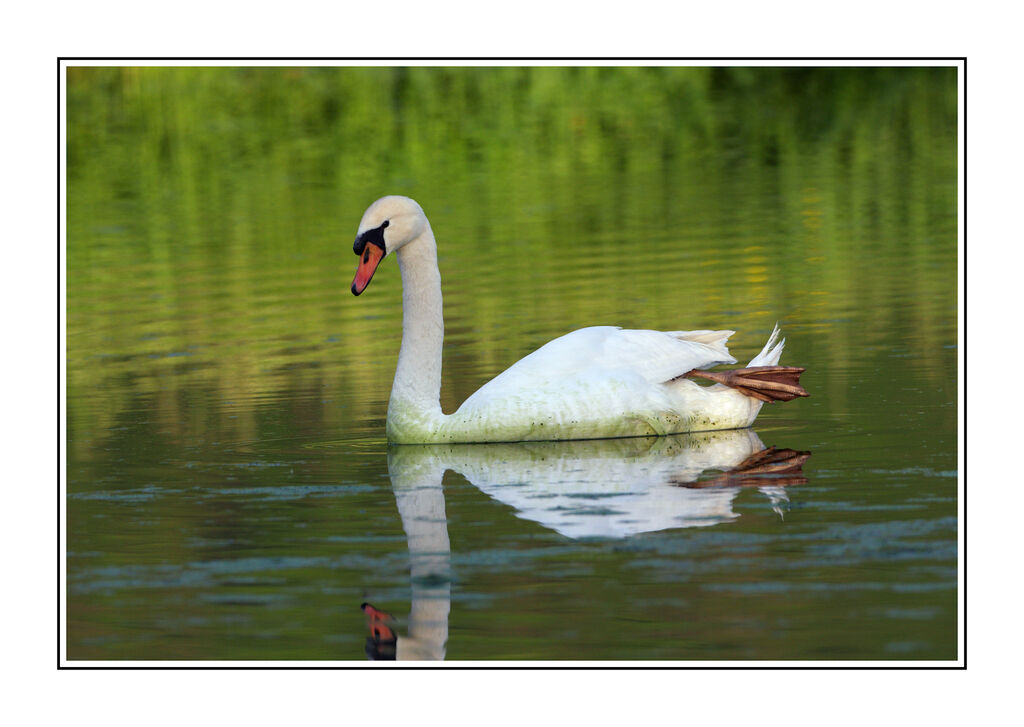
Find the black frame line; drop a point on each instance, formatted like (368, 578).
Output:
(961, 158)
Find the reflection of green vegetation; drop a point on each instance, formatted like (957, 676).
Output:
(210, 211)
(210, 328)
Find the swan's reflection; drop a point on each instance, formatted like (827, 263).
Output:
(612, 488)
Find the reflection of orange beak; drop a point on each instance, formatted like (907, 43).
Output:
(377, 621)
(371, 257)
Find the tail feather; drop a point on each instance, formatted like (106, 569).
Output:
(772, 352)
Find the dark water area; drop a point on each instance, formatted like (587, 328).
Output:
(230, 492)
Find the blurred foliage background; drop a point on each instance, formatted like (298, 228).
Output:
(215, 353)
(211, 212)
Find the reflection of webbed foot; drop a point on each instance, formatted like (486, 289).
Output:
(771, 466)
(381, 643)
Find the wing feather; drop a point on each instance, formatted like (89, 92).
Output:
(660, 356)
(609, 352)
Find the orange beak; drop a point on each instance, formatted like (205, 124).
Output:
(368, 261)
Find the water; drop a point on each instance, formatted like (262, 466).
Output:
(230, 492)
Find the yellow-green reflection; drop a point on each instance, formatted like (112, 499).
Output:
(211, 213)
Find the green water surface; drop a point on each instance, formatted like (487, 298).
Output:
(230, 493)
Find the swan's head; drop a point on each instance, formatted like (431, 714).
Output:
(387, 225)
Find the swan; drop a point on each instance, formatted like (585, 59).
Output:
(593, 383)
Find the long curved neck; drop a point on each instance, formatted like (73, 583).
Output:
(417, 384)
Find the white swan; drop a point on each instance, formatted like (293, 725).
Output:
(592, 383)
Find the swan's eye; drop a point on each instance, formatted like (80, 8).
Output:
(374, 236)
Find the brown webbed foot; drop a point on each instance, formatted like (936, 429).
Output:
(767, 383)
